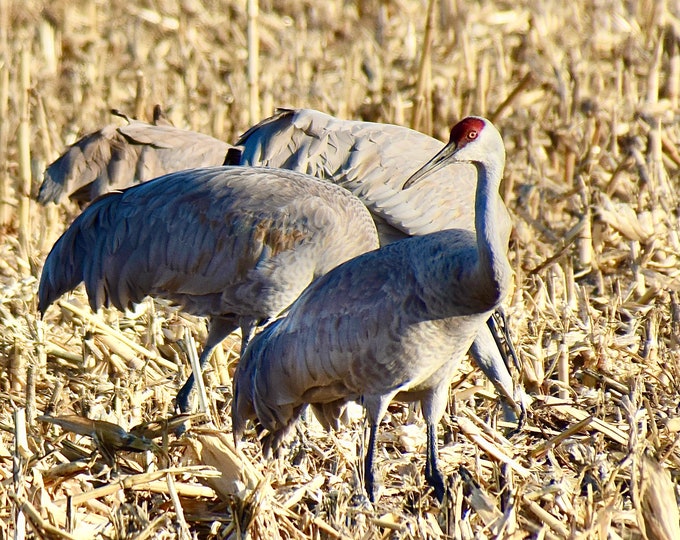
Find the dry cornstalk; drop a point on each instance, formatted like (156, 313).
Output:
(6, 187)
(482, 86)
(197, 370)
(297, 495)
(152, 528)
(584, 242)
(657, 510)
(525, 83)
(41, 524)
(546, 517)
(138, 481)
(30, 393)
(140, 95)
(473, 433)
(673, 81)
(481, 501)
(544, 447)
(48, 232)
(102, 327)
(563, 370)
(127, 353)
(606, 428)
(17, 367)
(253, 62)
(423, 83)
(326, 528)
(21, 454)
(217, 450)
(179, 511)
(5, 181)
(194, 491)
(24, 144)
(52, 349)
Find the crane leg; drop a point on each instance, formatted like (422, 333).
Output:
(182, 399)
(369, 467)
(432, 473)
(497, 321)
(220, 328)
(488, 356)
(498, 324)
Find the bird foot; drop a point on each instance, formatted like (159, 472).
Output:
(182, 400)
(436, 480)
(373, 483)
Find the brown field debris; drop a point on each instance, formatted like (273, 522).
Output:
(586, 95)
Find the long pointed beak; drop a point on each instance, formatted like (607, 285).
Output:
(437, 162)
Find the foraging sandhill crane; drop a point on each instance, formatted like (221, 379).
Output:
(234, 244)
(116, 157)
(392, 323)
(372, 160)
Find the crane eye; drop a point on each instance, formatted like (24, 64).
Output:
(472, 135)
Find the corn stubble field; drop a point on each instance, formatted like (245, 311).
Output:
(586, 97)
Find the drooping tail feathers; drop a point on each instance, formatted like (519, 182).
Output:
(72, 258)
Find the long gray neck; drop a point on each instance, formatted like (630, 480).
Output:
(493, 269)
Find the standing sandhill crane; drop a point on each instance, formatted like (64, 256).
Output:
(371, 160)
(392, 323)
(235, 244)
(116, 157)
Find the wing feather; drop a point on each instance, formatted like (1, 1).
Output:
(216, 240)
(117, 157)
(371, 160)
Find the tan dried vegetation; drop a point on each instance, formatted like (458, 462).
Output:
(586, 95)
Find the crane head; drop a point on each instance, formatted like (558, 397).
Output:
(473, 139)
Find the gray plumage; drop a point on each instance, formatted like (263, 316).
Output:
(116, 157)
(372, 160)
(235, 244)
(393, 323)
(369, 159)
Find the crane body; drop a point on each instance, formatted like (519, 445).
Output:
(235, 244)
(371, 160)
(392, 323)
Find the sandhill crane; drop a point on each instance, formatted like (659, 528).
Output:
(392, 323)
(116, 157)
(370, 159)
(235, 244)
